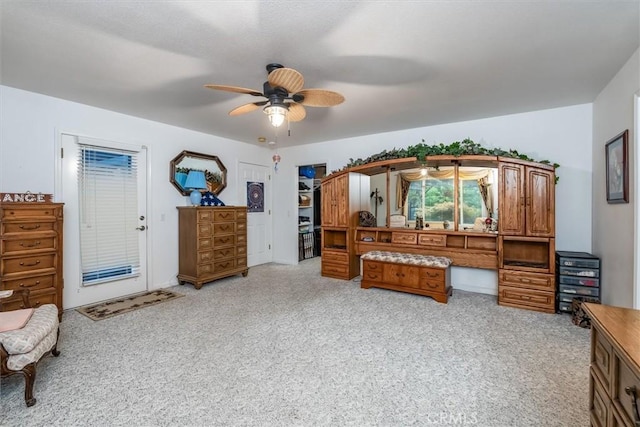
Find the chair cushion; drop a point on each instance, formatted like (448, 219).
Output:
(43, 320)
(15, 319)
(16, 362)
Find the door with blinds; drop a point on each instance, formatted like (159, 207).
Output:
(104, 191)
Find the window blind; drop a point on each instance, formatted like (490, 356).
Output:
(108, 192)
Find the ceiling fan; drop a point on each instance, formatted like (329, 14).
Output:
(286, 98)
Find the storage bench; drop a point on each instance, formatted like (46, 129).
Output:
(417, 274)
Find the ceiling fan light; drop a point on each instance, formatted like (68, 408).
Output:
(277, 114)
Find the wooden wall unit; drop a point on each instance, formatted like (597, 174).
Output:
(614, 381)
(212, 243)
(522, 250)
(31, 252)
(343, 196)
(526, 224)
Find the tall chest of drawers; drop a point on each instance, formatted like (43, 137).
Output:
(614, 381)
(31, 252)
(212, 243)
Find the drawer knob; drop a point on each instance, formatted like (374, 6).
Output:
(30, 265)
(632, 392)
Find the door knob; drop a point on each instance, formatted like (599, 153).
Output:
(141, 228)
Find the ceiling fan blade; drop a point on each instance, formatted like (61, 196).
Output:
(296, 112)
(246, 108)
(286, 78)
(235, 89)
(320, 98)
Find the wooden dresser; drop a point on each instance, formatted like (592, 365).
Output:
(212, 243)
(614, 384)
(31, 252)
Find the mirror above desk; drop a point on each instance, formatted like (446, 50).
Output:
(214, 171)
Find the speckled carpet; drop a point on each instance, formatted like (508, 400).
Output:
(286, 347)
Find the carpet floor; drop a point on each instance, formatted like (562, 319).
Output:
(287, 347)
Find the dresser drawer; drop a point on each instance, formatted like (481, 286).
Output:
(28, 264)
(404, 238)
(205, 242)
(25, 212)
(224, 228)
(241, 262)
(335, 257)
(204, 229)
(527, 298)
(432, 273)
(241, 250)
(205, 215)
(36, 298)
(241, 239)
(32, 283)
(223, 265)
(626, 379)
(241, 227)
(334, 270)
(204, 257)
(27, 227)
(228, 240)
(601, 357)
(599, 410)
(527, 280)
(204, 269)
(28, 244)
(432, 240)
(224, 215)
(241, 214)
(224, 253)
(372, 270)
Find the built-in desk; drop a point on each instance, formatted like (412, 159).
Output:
(464, 248)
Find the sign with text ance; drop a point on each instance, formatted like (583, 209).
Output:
(26, 198)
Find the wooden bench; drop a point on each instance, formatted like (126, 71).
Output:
(417, 274)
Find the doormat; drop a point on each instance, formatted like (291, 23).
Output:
(111, 308)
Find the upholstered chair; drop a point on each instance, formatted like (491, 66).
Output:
(26, 335)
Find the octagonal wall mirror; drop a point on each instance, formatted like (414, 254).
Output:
(214, 171)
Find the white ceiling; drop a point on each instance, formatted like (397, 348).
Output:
(399, 64)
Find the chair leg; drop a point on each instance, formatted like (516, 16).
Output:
(29, 373)
(55, 350)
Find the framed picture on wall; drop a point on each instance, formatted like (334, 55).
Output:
(616, 153)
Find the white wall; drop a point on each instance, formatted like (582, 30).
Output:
(30, 124)
(561, 135)
(613, 224)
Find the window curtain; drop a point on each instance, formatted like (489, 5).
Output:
(108, 196)
(487, 196)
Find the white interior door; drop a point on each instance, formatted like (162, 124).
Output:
(80, 287)
(252, 180)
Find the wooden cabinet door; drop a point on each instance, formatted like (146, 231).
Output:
(341, 194)
(328, 203)
(540, 203)
(511, 199)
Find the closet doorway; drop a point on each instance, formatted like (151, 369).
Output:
(309, 209)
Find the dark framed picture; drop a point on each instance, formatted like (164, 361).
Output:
(616, 152)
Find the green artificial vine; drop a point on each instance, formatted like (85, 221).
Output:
(457, 148)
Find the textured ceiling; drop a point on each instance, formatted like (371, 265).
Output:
(399, 64)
